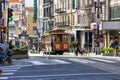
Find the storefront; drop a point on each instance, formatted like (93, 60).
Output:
(111, 29)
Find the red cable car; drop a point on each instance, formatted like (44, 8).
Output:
(55, 42)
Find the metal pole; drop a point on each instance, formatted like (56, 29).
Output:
(7, 28)
(1, 19)
(1, 37)
(98, 8)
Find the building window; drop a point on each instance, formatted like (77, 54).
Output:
(73, 4)
(115, 12)
(78, 19)
(34, 30)
(35, 11)
(46, 1)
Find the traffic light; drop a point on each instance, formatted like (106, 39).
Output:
(3, 29)
(10, 14)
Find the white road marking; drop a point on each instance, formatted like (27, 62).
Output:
(103, 60)
(61, 61)
(59, 75)
(81, 60)
(37, 62)
(8, 70)
(3, 74)
(3, 78)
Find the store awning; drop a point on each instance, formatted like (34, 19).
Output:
(111, 25)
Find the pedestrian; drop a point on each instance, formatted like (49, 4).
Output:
(9, 54)
(3, 56)
(111, 43)
(33, 48)
(16, 42)
(78, 48)
(116, 46)
(101, 44)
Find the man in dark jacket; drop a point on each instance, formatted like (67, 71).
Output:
(116, 45)
(78, 48)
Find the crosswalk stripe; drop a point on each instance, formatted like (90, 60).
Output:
(37, 62)
(2, 78)
(4, 74)
(104, 60)
(60, 61)
(8, 70)
(82, 60)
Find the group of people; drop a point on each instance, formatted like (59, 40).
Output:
(114, 44)
(5, 54)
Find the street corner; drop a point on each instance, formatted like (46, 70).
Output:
(7, 63)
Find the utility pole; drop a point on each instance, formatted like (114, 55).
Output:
(9, 18)
(0, 24)
(98, 11)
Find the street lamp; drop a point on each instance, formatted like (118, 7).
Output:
(98, 11)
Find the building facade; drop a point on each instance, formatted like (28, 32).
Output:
(111, 24)
(77, 16)
(64, 16)
(31, 26)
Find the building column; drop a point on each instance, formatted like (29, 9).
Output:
(108, 39)
(82, 39)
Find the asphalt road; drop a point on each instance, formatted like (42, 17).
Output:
(76, 68)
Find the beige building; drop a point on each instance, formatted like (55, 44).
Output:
(111, 28)
(64, 16)
(31, 25)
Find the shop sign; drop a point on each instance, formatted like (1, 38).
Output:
(93, 26)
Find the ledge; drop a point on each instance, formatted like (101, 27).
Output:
(20, 56)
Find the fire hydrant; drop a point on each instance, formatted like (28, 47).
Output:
(0, 72)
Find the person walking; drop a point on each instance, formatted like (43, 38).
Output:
(116, 46)
(111, 43)
(78, 48)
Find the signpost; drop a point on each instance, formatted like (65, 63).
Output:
(1, 22)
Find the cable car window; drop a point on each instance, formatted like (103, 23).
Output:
(59, 37)
(65, 38)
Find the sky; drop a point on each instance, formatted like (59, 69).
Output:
(28, 3)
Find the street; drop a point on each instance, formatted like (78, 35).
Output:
(63, 68)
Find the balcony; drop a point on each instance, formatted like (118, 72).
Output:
(60, 10)
(61, 24)
(47, 3)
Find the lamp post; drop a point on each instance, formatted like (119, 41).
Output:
(98, 11)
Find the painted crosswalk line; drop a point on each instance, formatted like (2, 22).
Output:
(5, 74)
(104, 60)
(8, 70)
(81, 60)
(3, 78)
(35, 62)
(60, 61)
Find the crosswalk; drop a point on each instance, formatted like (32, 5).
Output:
(10, 70)
(70, 60)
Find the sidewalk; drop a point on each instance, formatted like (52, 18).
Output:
(68, 54)
(65, 54)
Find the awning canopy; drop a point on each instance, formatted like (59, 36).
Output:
(111, 25)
